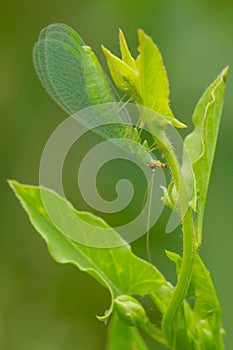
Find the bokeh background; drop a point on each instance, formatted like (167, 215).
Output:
(48, 306)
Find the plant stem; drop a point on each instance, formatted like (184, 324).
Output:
(181, 288)
(154, 333)
(170, 315)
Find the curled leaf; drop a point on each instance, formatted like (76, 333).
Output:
(201, 143)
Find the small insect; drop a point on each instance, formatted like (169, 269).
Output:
(156, 164)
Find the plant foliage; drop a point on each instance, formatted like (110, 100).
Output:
(126, 276)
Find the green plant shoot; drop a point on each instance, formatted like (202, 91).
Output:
(72, 75)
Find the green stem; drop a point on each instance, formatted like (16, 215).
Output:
(170, 315)
(181, 288)
(154, 333)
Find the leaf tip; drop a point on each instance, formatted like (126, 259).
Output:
(18, 189)
(13, 184)
(224, 72)
(105, 50)
(121, 34)
(122, 40)
(108, 312)
(143, 37)
(140, 32)
(178, 124)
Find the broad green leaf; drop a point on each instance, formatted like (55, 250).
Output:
(118, 269)
(201, 143)
(121, 336)
(152, 84)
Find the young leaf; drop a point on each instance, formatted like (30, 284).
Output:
(152, 85)
(118, 269)
(145, 79)
(201, 143)
(122, 74)
(125, 53)
(120, 336)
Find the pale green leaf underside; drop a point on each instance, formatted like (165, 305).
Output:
(118, 268)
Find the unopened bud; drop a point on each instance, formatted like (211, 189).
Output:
(130, 311)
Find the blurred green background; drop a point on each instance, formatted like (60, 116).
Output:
(48, 306)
